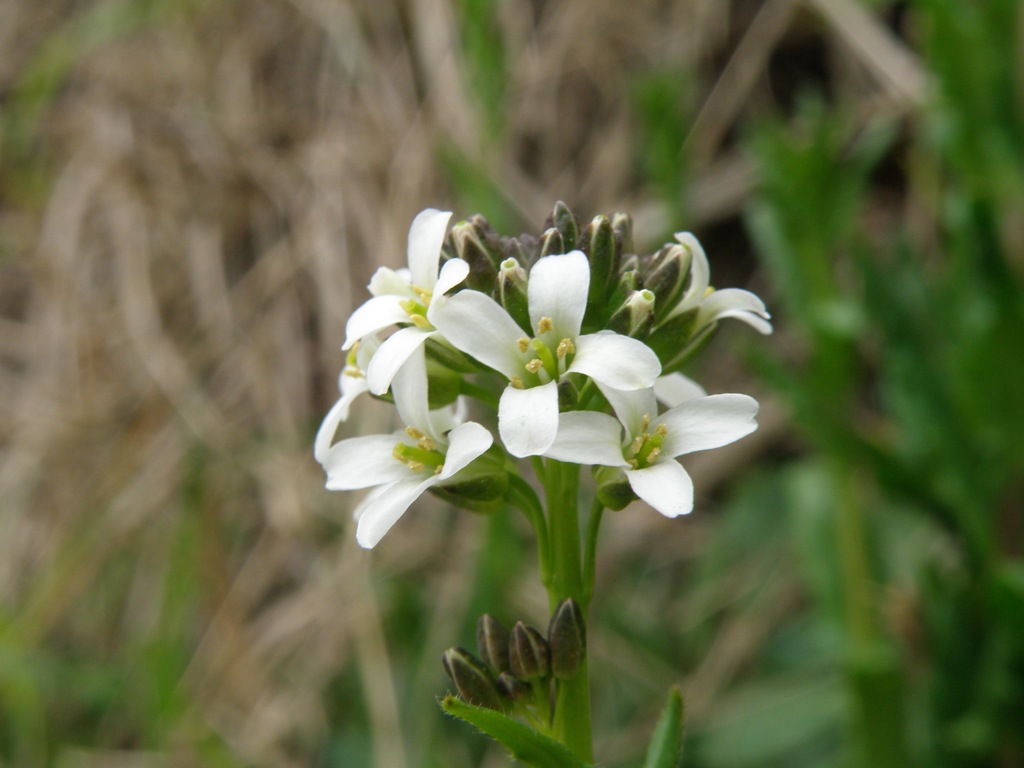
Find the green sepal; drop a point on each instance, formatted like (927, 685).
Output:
(565, 222)
(671, 337)
(523, 743)
(613, 489)
(667, 740)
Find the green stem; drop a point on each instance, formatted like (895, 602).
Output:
(522, 496)
(571, 723)
(590, 553)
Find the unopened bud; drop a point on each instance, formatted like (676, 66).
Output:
(470, 240)
(565, 223)
(598, 242)
(613, 488)
(471, 678)
(567, 638)
(512, 292)
(636, 315)
(551, 243)
(528, 653)
(492, 642)
(666, 274)
(512, 688)
(622, 226)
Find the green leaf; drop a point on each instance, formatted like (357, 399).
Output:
(667, 741)
(525, 744)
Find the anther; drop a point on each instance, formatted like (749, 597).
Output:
(420, 322)
(517, 383)
(427, 444)
(565, 347)
(523, 344)
(416, 466)
(414, 433)
(544, 325)
(534, 365)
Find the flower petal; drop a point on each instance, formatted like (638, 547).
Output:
(409, 387)
(477, 325)
(392, 355)
(588, 437)
(631, 406)
(738, 303)
(426, 235)
(465, 443)
(528, 419)
(616, 360)
(391, 282)
(665, 486)
(675, 388)
(382, 510)
(557, 288)
(453, 272)
(707, 422)
(374, 315)
(700, 273)
(362, 462)
(338, 413)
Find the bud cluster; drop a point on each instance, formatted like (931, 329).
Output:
(516, 670)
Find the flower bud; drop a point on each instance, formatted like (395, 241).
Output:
(551, 243)
(622, 226)
(598, 242)
(481, 486)
(512, 292)
(636, 315)
(671, 338)
(613, 489)
(512, 688)
(666, 275)
(528, 653)
(565, 223)
(471, 678)
(470, 240)
(492, 642)
(567, 638)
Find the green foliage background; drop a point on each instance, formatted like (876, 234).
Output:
(192, 197)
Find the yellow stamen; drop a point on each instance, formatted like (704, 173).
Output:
(523, 344)
(420, 322)
(439, 469)
(517, 383)
(414, 433)
(534, 365)
(416, 466)
(565, 347)
(544, 325)
(427, 444)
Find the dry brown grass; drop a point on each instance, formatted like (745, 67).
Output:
(219, 183)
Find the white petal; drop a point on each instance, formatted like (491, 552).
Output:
(708, 422)
(325, 435)
(465, 443)
(557, 288)
(528, 419)
(391, 282)
(453, 272)
(665, 486)
(409, 387)
(588, 437)
(735, 302)
(384, 509)
(426, 235)
(700, 273)
(374, 315)
(391, 355)
(477, 325)
(615, 360)
(631, 406)
(675, 388)
(362, 462)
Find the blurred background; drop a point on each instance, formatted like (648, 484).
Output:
(193, 195)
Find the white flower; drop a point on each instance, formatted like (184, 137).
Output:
(406, 297)
(399, 467)
(651, 442)
(715, 305)
(351, 383)
(557, 298)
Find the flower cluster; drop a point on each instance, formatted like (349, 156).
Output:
(571, 342)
